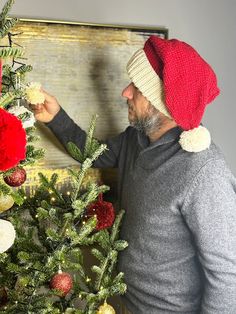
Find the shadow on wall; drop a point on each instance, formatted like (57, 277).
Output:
(102, 75)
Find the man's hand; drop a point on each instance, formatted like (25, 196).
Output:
(46, 112)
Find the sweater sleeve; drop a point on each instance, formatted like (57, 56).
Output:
(209, 210)
(66, 130)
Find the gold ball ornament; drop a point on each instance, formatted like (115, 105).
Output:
(106, 309)
(6, 202)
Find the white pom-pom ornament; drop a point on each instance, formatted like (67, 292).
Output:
(195, 140)
(7, 235)
(33, 94)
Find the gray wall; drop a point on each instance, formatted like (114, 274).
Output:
(208, 25)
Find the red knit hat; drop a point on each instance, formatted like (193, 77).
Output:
(179, 83)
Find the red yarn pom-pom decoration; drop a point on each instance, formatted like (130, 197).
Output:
(12, 141)
(104, 212)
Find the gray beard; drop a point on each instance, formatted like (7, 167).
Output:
(148, 124)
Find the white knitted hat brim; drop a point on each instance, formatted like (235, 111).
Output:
(147, 81)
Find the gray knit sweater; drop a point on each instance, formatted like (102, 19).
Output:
(180, 222)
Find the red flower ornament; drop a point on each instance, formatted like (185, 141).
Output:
(104, 212)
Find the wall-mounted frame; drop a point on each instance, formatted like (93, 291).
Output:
(84, 66)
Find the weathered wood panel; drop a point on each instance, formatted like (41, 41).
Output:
(84, 66)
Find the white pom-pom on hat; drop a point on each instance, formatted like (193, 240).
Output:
(7, 235)
(195, 140)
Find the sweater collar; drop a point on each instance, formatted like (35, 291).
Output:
(170, 136)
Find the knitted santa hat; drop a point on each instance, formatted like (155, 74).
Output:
(179, 83)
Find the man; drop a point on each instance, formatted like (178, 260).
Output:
(174, 184)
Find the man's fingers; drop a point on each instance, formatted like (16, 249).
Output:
(48, 97)
(36, 108)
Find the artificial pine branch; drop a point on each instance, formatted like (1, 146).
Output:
(75, 152)
(11, 52)
(89, 138)
(7, 26)
(116, 226)
(32, 155)
(24, 116)
(4, 189)
(24, 69)
(104, 240)
(6, 70)
(85, 230)
(5, 10)
(100, 271)
(32, 138)
(88, 197)
(92, 148)
(6, 99)
(84, 167)
(98, 255)
(17, 197)
(50, 185)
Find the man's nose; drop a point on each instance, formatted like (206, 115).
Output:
(127, 91)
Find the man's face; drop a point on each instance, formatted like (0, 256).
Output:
(138, 105)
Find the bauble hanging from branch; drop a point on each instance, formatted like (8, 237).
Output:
(6, 202)
(16, 178)
(106, 309)
(7, 235)
(62, 282)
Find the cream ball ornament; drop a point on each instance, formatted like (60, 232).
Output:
(7, 235)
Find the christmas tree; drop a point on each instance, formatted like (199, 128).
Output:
(45, 270)
(17, 131)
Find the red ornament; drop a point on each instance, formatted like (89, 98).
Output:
(16, 178)
(104, 212)
(62, 282)
(12, 140)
